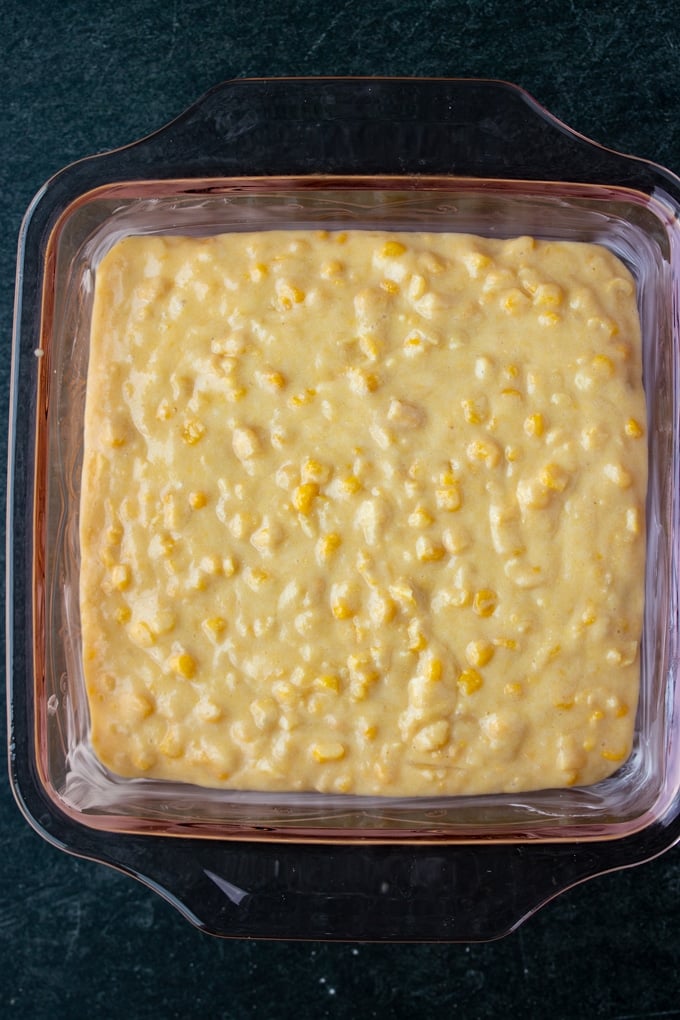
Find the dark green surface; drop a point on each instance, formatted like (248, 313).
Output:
(76, 78)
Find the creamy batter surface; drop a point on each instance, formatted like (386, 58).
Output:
(363, 512)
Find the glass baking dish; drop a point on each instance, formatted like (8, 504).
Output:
(463, 156)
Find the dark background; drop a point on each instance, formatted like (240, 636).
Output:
(77, 939)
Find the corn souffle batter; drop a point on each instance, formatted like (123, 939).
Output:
(363, 512)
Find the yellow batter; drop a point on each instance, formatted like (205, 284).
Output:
(363, 512)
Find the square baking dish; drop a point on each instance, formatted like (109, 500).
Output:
(347, 170)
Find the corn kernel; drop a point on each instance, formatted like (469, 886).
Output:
(381, 608)
(603, 364)
(472, 412)
(416, 287)
(417, 640)
(361, 666)
(114, 535)
(164, 411)
(271, 380)
(370, 346)
(304, 496)
(548, 295)
(236, 393)
(229, 566)
(485, 602)
(192, 431)
(267, 537)
(245, 442)
(554, 477)
(197, 500)
(469, 681)
(479, 653)
(120, 576)
(303, 398)
(258, 272)
(314, 471)
(513, 690)
(328, 544)
(633, 520)
(633, 429)
(476, 261)
(432, 737)
(482, 450)
(618, 475)
(459, 597)
(284, 692)
(341, 610)
(607, 326)
(620, 286)
(123, 614)
(139, 703)
(448, 497)
(115, 434)
(623, 656)
(361, 382)
(428, 551)
(420, 518)
(402, 593)
(548, 319)
(510, 391)
(351, 484)
(142, 634)
(360, 684)
(433, 668)
(171, 745)
(142, 759)
(390, 286)
(514, 301)
(393, 248)
(288, 295)
(414, 342)
(533, 425)
(255, 577)
(331, 751)
(185, 665)
(329, 681)
(431, 263)
(214, 626)
(331, 268)
(613, 755)
(406, 415)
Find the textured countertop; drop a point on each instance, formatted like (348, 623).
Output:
(77, 938)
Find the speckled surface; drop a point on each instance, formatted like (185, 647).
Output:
(79, 939)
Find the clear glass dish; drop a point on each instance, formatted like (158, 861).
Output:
(456, 155)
